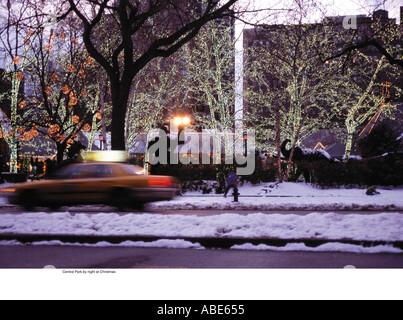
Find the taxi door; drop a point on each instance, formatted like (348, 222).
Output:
(66, 186)
(99, 181)
(75, 187)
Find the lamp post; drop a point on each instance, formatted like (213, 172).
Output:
(180, 122)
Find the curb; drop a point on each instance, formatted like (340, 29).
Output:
(152, 208)
(208, 243)
(240, 196)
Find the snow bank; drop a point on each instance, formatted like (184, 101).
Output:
(328, 247)
(365, 227)
(162, 243)
(182, 244)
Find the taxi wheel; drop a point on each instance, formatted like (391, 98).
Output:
(119, 198)
(137, 206)
(28, 199)
(54, 206)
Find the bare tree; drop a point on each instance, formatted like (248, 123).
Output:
(142, 31)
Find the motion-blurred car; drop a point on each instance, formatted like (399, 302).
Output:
(116, 184)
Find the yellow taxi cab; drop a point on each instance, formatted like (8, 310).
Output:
(109, 183)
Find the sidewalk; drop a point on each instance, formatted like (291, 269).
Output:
(289, 197)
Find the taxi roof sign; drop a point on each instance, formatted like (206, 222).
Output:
(105, 156)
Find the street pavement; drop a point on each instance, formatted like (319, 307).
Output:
(78, 257)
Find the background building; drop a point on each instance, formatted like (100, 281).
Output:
(270, 36)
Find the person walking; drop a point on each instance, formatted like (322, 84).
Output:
(232, 182)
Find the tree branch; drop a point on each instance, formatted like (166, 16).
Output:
(369, 43)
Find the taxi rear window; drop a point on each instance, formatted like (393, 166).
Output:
(134, 170)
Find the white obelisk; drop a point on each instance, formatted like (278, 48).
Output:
(239, 71)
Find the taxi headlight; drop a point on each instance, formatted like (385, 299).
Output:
(7, 190)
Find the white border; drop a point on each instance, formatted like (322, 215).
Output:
(195, 284)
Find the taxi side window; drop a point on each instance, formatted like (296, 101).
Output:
(70, 173)
(86, 172)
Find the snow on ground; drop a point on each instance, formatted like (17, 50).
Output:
(162, 243)
(328, 247)
(290, 196)
(3, 201)
(385, 226)
(182, 244)
(368, 227)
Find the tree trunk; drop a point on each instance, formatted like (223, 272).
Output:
(13, 145)
(103, 127)
(61, 147)
(349, 145)
(287, 175)
(278, 142)
(120, 98)
(94, 131)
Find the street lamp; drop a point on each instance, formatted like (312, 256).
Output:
(179, 123)
(184, 121)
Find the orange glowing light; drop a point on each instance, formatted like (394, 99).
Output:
(48, 90)
(54, 77)
(65, 89)
(73, 101)
(87, 127)
(22, 104)
(90, 60)
(71, 68)
(49, 47)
